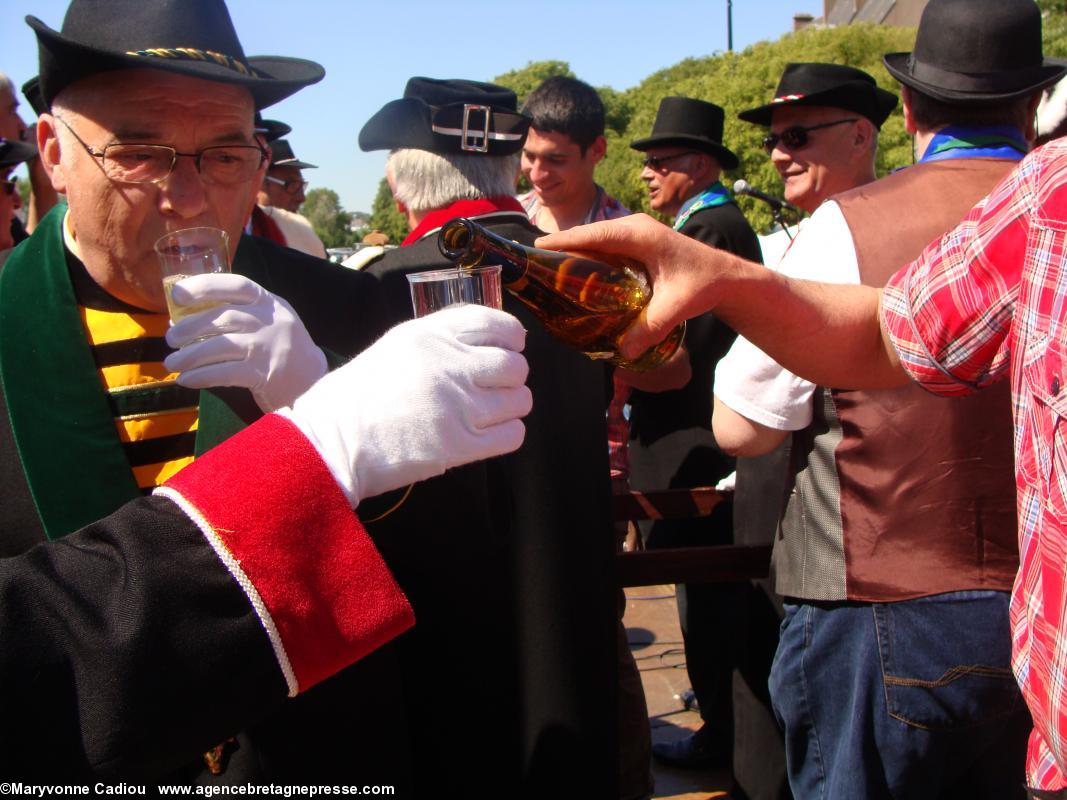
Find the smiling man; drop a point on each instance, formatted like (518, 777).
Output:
(565, 143)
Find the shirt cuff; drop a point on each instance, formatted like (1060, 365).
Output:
(280, 524)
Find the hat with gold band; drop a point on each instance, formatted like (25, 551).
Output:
(190, 37)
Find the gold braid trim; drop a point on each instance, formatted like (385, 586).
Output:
(194, 54)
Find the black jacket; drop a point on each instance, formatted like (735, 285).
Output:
(521, 550)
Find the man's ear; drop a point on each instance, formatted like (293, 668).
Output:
(50, 151)
(864, 133)
(597, 150)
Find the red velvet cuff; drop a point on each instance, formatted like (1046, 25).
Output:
(278, 520)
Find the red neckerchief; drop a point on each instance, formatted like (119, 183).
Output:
(462, 208)
(264, 226)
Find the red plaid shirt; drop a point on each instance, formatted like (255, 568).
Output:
(989, 301)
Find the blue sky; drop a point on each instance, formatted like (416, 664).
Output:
(371, 49)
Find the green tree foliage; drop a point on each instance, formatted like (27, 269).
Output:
(330, 221)
(384, 216)
(525, 80)
(1054, 27)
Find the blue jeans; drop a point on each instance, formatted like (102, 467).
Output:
(913, 699)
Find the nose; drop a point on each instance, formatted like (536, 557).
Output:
(780, 157)
(182, 194)
(16, 200)
(537, 171)
(647, 174)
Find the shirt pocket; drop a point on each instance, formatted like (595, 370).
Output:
(1045, 381)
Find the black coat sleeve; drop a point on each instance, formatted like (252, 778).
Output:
(126, 648)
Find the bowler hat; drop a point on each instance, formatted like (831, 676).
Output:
(834, 85)
(689, 123)
(13, 152)
(190, 37)
(448, 116)
(976, 51)
(281, 155)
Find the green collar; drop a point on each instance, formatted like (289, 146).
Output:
(71, 454)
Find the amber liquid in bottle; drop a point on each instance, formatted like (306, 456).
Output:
(582, 301)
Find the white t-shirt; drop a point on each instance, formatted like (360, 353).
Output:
(748, 380)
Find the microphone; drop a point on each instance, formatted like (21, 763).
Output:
(742, 187)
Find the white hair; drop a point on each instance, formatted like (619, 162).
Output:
(6, 81)
(424, 181)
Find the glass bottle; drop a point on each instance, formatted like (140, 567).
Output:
(582, 301)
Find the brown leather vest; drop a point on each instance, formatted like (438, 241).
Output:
(927, 497)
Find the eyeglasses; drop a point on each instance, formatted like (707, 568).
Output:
(8, 187)
(151, 163)
(291, 186)
(656, 162)
(797, 137)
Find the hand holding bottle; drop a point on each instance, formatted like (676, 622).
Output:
(583, 298)
(682, 270)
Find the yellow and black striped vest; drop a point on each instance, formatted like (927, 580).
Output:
(156, 419)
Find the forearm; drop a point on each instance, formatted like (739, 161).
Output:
(829, 334)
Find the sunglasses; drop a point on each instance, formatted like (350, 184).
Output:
(656, 162)
(8, 187)
(797, 137)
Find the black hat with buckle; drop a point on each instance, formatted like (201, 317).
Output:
(190, 37)
(13, 152)
(686, 122)
(833, 85)
(976, 51)
(448, 116)
(281, 155)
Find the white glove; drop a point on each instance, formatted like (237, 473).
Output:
(433, 393)
(250, 338)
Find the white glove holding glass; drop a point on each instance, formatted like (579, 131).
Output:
(433, 393)
(248, 337)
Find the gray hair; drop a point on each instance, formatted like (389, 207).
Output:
(424, 181)
(10, 84)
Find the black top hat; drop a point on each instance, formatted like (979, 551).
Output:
(281, 155)
(975, 51)
(448, 116)
(272, 129)
(13, 152)
(831, 85)
(689, 123)
(191, 37)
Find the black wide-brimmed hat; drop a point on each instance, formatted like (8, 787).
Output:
(448, 116)
(190, 37)
(976, 51)
(691, 123)
(281, 155)
(833, 85)
(13, 152)
(272, 129)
